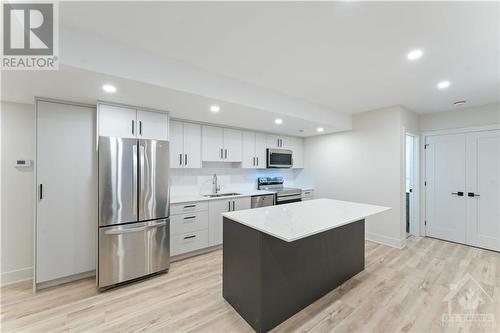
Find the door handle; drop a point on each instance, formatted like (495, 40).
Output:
(134, 179)
(185, 159)
(472, 195)
(124, 231)
(460, 194)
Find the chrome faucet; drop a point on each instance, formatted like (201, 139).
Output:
(215, 186)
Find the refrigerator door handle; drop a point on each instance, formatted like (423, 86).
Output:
(123, 231)
(134, 180)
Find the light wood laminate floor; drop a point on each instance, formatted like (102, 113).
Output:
(399, 291)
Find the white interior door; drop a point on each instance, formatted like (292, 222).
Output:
(67, 190)
(445, 190)
(483, 187)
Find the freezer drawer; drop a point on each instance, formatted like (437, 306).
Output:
(133, 250)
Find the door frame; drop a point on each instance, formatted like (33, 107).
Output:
(416, 179)
(423, 161)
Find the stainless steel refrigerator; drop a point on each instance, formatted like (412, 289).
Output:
(134, 209)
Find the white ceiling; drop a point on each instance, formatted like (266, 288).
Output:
(349, 56)
(82, 86)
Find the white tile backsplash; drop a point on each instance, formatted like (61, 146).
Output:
(186, 182)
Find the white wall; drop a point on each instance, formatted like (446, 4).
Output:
(364, 165)
(188, 182)
(17, 188)
(463, 117)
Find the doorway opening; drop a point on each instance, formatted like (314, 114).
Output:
(411, 185)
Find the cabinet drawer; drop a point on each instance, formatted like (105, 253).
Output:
(188, 242)
(188, 207)
(181, 224)
(307, 195)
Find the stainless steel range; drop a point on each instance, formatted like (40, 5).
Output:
(283, 194)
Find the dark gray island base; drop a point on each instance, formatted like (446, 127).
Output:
(268, 280)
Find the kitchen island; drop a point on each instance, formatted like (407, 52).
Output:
(277, 260)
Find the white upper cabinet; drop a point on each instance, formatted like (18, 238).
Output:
(260, 150)
(185, 145)
(297, 146)
(117, 121)
(152, 125)
(128, 122)
(248, 154)
(254, 150)
(221, 144)
(212, 143)
(192, 145)
(278, 141)
(232, 145)
(176, 144)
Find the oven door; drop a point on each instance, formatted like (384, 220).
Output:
(285, 199)
(279, 158)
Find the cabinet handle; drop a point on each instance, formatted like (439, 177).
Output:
(460, 194)
(229, 206)
(140, 127)
(41, 191)
(221, 153)
(253, 159)
(257, 161)
(472, 195)
(225, 153)
(233, 206)
(189, 217)
(133, 127)
(190, 206)
(180, 159)
(188, 237)
(278, 142)
(186, 159)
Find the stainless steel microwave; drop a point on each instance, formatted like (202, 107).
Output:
(279, 158)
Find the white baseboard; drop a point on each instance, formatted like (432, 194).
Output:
(385, 240)
(18, 275)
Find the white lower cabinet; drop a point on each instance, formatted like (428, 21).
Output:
(216, 208)
(188, 227)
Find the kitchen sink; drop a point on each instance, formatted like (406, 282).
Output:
(220, 195)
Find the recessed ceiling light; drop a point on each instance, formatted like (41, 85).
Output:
(461, 102)
(215, 108)
(278, 121)
(415, 54)
(443, 84)
(320, 129)
(109, 88)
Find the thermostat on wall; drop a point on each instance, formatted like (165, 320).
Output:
(23, 163)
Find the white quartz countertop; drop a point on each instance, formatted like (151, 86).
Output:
(190, 198)
(294, 221)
